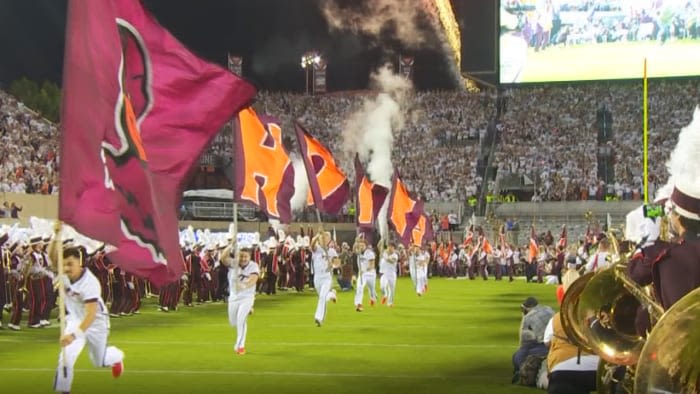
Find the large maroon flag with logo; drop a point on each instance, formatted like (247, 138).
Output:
(404, 211)
(264, 173)
(329, 187)
(138, 109)
(370, 197)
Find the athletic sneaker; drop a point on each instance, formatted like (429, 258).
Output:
(45, 323)
(14, 327)
(318, 322)
(383, 300)
(117, 369)
(240, 351)
(37, 325)
(371, 302)
(359, 308)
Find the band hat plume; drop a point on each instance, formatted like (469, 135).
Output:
(685, 172)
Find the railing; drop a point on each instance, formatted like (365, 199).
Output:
(213, 210)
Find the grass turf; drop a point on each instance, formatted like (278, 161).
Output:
(458, 338)
(620, 60)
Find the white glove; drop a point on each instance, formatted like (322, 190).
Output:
(130, 285)
(183, 277)
(208, 276)
(650, 229)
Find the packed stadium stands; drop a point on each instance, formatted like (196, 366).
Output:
(547, 134)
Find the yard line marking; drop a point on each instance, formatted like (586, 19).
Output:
(311, 326)
(298, 344)
(263, 373)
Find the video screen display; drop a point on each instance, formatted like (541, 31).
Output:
(572, 40)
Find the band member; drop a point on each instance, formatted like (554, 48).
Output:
(242, 276)
(324, 258)
(18, 280)
(87, 322)
(602, 258)
(367, 273)
(205, 285)
(4, 272)
(37, 295)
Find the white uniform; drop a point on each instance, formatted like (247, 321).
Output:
(412, 258)
(367, 275)
(240, 300)
(598, 261)
(323, 279)
(83, 291)
(422, 260)
(387, 267)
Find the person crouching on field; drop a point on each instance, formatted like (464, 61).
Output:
(242, 277)
(87, 322)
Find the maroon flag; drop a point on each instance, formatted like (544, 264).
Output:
(404, 211)
(264, 172)
(138, 109)
(370, 197)
(329, 187)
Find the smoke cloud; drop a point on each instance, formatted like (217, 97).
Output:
(370, 131)
(374, 17)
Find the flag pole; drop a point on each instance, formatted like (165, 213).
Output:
(646, 135)
(61, 292)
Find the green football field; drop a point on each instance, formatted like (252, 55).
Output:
(613, 61)
(458, 338)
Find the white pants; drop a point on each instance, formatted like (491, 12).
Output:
(421, 279)
(325, 294)
(238, 310)
(368, 279)
(388, 285)
(412, 271)
(101, 355)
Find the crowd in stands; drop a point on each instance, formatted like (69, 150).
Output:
(28, 149)
(547, 133)
(550, 135)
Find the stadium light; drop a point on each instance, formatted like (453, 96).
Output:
(308, 59)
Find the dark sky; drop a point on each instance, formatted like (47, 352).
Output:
(271, 35)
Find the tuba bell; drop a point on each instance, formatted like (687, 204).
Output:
(601, 314)
(669, 361)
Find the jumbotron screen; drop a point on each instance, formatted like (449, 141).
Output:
(572, 40)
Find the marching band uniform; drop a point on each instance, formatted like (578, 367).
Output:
(16, 282)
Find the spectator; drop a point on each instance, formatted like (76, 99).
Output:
(534, 322)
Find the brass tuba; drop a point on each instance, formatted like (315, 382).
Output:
(600, 312)
(669, 361)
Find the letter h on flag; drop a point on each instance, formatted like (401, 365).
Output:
(370, 197)
(404, 212)
(329, 187)
(264, 175)
(138, 109)
(423, 231)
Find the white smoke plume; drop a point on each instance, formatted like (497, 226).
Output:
(301, 184)
(373, 17)
(370, 131)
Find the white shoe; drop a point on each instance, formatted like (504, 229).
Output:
(38, 325)
(14, 327)
(45, 323)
